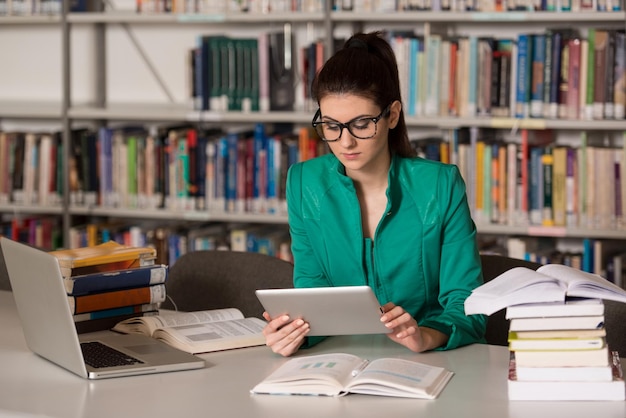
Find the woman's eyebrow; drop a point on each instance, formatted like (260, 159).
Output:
(329, 119)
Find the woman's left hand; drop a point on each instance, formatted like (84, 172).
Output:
(405, 331)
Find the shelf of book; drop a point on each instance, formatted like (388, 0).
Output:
(550, 231)
(453, 122)
(479, 17)
(335, 16)
(182, 112)
(193, 18)
(151, 114)
(186, 215)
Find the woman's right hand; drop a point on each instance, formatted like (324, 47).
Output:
(283, 335)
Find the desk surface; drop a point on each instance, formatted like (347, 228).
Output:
(30, 385)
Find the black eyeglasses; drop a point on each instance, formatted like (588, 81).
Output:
(361, 128)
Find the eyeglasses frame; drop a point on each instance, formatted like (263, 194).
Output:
(384, 113)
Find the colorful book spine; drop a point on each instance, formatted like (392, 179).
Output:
(550, 74)
(582, 83)
(116, 280)
(433, 59)
(221, 161)
(619, 91)
(547, 164)
(413, 76)
(559, 174)
(232, 139)
(538, 62)
(260, 150)
(524, 72)
(609, 83)
(536, 186)
(115, 299)
(273, 173)
(105, 145)
(574, 79)
(601, 40)
(116, 312)
(571, 204)
(210, 175)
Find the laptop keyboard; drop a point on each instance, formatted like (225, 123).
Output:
(99, 355)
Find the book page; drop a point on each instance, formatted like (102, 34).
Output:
(515, 279)
(515, 286)
(214, 336)
(398, 377)
(149, 324)
(584, 284)
(177, 318)
(207, 331)
(323, 374)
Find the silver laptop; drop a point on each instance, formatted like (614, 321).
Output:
(341, 310)
(50, 332)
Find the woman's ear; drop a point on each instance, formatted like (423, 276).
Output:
(394, 113)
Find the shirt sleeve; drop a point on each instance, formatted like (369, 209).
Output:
(460, 268)
(307, 268)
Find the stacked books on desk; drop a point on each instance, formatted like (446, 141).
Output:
(559, 352)
(557, 337)
(111, 282)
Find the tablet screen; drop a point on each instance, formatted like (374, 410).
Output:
(342, 310)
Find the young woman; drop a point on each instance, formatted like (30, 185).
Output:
(372, 213)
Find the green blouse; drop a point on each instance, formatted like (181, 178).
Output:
(423, 256)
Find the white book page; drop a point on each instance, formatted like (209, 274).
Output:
(513, 287)
(310, 374)
(515, 279)
(210, 331)
(397, 377)
(149, 324)
(584, 284)
(174, 318)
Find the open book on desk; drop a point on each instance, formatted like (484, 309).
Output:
(200, 331)
(549, 283)
(339, 374)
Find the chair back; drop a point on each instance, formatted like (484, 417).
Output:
(209, 279)
(493, 265)
(5, 284)
(615, 324)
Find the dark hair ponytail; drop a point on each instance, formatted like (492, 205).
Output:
(366, 66)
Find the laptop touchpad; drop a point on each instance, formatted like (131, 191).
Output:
(147, 348)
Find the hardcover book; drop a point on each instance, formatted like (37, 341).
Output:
(103, 257)
(116, 279)
(554, 344)
(557, 323)
(592, 389)
(116, 299)
(568, 307)
(560, 358)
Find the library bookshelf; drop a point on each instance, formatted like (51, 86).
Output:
(110, 72)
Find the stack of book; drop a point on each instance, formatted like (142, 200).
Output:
(110, 282)
(558, 351)
(557, 337)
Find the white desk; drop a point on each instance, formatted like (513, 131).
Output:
(30, 385)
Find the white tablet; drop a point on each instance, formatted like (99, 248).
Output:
(343, 310)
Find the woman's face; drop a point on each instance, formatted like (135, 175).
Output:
(354, 153)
